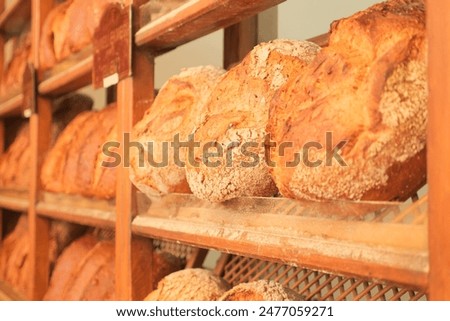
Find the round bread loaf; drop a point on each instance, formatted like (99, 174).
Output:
(189, 285)
(235, 126)
(261, 290)
(176, 111)
(358, 111)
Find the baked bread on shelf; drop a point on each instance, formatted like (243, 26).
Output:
(177, 110)
(12, 77)
(261, 290)
(73, 165)
(85, 270)
(189, 285)
(236, 120)
(15, 169)
(15, 249)
(68, 28)
(358, 112)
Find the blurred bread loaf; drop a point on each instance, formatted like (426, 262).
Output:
(189, 285)
(15, 169)
(368, 91)
(237, 115)
(261, 290)
(176, 111)
(68, 28)
(72, 166)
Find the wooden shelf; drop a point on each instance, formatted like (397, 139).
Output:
(196, 19)
(77, 209)
(372, 240)
(11, 106)
(15, 17)
(14, 200)
(68, 75)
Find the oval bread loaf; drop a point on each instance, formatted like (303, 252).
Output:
(177, 110)
(189, 285)
(238, 111)
(358, 111)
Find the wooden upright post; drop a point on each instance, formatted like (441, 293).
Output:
(438, 24)
(239, 40)
(134, 96)
(40, 138)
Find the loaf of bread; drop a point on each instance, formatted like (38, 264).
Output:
(261, 290)
(68, 28)
(15, 169)
(237, 115)
(177, 110)
(15, 251)
(85, 270)
(358, 111)
(72, 165)
(12, 77)
(189, 285)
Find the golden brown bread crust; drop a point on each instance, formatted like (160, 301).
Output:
(177, 110)
(238, 111)
(66, 265)
(68, 28)
(12, 77)
(368, 87)
(14, 252)
(261, 290)
(189, 285)
(85, 270)
(73, 165)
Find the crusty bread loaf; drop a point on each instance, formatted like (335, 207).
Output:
(261, 290)
(189, 285)
(72, 165)
(68, 28)
(85, 270)
(238, 111)
(177, 110)
(15, 169)
(65, 266)
(12, 77)
(368, 90)
(15, 250)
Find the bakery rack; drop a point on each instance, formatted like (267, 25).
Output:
(337, 250)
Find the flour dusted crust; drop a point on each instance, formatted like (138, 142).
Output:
(177, 110)
(368, 87)
(261, 290)
(189, 285)
(237, 113)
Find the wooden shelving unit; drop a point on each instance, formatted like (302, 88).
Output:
(15, 17)
(406, 245)
(11, 106)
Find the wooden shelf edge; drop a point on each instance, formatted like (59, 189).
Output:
(77, 209)
(195, 19)
(386, 251)
(14, 201)
(73, 78)
(11, 106)
(7, 293)
(15, 16)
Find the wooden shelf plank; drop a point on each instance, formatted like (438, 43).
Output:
(11, 106)
(15, 17)
(195, 19)
(14, 200)
(77, 209)
(358, 239)
(67, 77)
